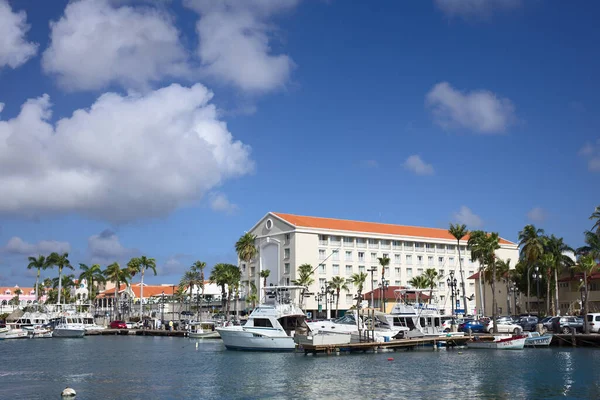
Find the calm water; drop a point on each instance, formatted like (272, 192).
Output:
(117, 367)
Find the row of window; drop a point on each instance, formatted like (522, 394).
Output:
(387, 244)
(349, 270)
(432, 261)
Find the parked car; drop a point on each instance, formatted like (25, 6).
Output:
(593, 322)
(132, 325)
(567, 324)
(505, 325)
(528, 323)
(447, 324)
(474, 325)
(547, 323)
(118, 325)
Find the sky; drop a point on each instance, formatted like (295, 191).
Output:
(168, 128)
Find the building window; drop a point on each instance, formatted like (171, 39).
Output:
(441, 248)
(287, 238)
(451, 261)
(348, 270)
(430, 261)
(462, 261)
(385, 255)
(348, 242)
(419, 246)
(361, 243)
(397, 245)
(397, 269)
(336, 255)
(408, 259)
(441, 272)
(440, 261)
(419, 271)
(385, 244)
(471, 284)
(286, 268)
(323, 240)
(419, 260)
(442, 285)
(322, 282)
(335, 241)
(374, 257)
(336, 269)
(397, 259)
(286, 253)
(322, 269)
(252, 271)
(471, 273)
(361, 268)
(387, 271)
(322, 254)
(408, 246)
(361, 256)
(349, 298)
(409, 273)
(398, 283)
(430, 247)
(348, 256)
(451, 248)
(463, 250)
(373, 243)
(244, 268)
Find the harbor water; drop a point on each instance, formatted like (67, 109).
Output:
(125, 367)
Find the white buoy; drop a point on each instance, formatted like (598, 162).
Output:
(196, 345)
(68, 392)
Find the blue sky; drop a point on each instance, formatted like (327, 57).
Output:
(168, 128)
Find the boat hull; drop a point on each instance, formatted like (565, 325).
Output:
(16, 334)
(204, 335)
(540, 341)
(503, 344)
(68, 333)
(238, 338)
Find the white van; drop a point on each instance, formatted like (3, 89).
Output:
(593, 322)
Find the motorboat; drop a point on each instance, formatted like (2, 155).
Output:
(3, 331)
(16, 333)
(371, 326)
(68, 327)
(534, 339)
(203, 330)
(500, 342)
(40, 332)
(271, 325)
(422, 320)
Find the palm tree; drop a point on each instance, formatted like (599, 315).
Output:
(459, 232)
(358, 280)
(114, 273)
(503, 271)
(557, 247)
(218, 276)
(305, 279)
(15, 300)
(253, 297)
(233, 276)
(38, 263)
(592, 245)
(432, 277)
(419, 282)
(596, 216)
(91, 274)
(61, 261)
(140, 264)
(338, 283)
(191, 279)
(476, 254)
(245, 247)
(547, 262)
(530, 242)
(484, 247)
(265, 274)
(586, 265)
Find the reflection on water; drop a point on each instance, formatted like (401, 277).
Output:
(107, 367)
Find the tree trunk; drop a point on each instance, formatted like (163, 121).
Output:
(585, 308)
(556, 290)
(115, 305)
(529, 291)
(462, 280)
(508, 299)
(494, 304)
(59, 284)
(337, 302)
(484, 288)
(548, 295)
(481, 298)
(142, 295)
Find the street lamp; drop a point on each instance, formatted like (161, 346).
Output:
(581, 289)
(514, 290)
(372, 270)
(383, 286)
(318, 298)
(537, 277)
(454, 292)
(324, 292)
(162, 308)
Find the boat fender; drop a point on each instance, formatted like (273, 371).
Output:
(391, 359)
(68, 392)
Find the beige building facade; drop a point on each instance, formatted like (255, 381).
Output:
(336, 247)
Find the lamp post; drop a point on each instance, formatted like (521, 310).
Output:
(536, 277)
(451, 281)
(581, 289)
(514, 290)
(372, 270)
(383, 286)
(162, 308)
(324, 292)
(318, 298)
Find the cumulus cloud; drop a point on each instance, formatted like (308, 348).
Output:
(466, 216)
(234, 42)
(97, 43)
(415, 164)
(105, 248)
(15, 50)
(537, 214)
(475, 8)
(480, 111)
(591, 153)
(220, 202)
(18, 246)
(125, 158)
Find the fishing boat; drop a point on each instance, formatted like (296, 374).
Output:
(203, 330)
(40, 332)
(500, 342)
(534, 339)
(271, 326)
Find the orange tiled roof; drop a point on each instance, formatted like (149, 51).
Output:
(369, 227)
(149, 290)
(24, 290)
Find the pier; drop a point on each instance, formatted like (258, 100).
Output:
(137, 332)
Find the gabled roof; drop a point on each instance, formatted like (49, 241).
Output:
(370, 227)
(390, 294)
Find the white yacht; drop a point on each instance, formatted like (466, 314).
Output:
(361, 330)
(422, 320)
(203, 330)
(69, 327)
(271, 326)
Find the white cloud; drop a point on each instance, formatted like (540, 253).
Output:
(106, 248)
(16, 245)
(96, 44)
(123, 159)
(415, 164)
(220, 202)
(15, 50)
(466, 216)
(480, 111)
(475, 8)
(234, 41)
(537, 214)
(591, 153)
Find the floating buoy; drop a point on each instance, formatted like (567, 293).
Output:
(196, 345)
(460, 352)
(68, 392)
(391, 359)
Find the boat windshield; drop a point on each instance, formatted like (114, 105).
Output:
(347, 319)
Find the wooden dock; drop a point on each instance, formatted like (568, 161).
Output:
(137, 332)
(392, 345)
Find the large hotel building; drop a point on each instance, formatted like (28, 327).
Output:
(336, 247)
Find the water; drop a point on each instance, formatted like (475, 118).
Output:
(121, 367)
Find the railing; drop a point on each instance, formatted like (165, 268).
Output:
(323, 242)
(361, 245)
(419, 248)
(349, 244)
(441, 249)
(336, 243)
(431, 250)
(373, 245)
(386, 247)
